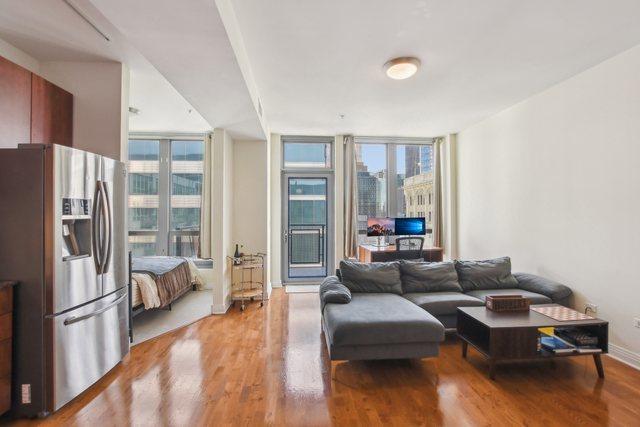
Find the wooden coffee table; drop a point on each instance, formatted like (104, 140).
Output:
(510, 336)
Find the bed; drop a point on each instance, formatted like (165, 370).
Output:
(157, 281)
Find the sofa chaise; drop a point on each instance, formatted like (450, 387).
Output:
(400, 309)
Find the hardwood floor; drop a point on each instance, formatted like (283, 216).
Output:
(269, 366)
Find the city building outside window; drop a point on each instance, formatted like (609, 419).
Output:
(165, 187)
(395, 179)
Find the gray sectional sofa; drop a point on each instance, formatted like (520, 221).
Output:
(400, 309)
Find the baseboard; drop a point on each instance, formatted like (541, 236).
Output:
(276, 284)
(297, 289)
(625, 356)
(220, 308)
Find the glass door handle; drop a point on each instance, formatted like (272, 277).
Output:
(285, 236)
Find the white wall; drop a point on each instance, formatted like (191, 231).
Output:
(554, 182)
(100, 98)
(250, 196)
(100, 92)
(275, 199)
(19, 57)
(223, 219)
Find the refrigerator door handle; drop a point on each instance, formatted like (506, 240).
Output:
(105, 219)
(108, 235)
(96, 241)
(75, 319)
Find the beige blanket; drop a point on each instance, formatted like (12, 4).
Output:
(144, 289)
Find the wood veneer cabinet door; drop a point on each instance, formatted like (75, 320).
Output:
(51, 113)
(15, 104)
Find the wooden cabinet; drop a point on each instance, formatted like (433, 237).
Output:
(369, 253)
(51, 113)
(6, 333)
(15, 104)
(32, 109)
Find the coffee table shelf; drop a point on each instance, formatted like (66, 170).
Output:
(513, 336)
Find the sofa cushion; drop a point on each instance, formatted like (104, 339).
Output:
(443, 303)
(429, 277)
(535, 298)
(489, 274)
(379, 319)
(373, 277)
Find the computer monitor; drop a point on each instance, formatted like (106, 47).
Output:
(410, 227)
(378, 227)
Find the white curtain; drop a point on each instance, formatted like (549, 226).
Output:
(437, 193)
(350, 199)
(206, 220)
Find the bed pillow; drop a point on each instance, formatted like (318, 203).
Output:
(488, 274)
(429, 277)
(373, 277)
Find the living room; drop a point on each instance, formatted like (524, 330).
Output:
(409, 213)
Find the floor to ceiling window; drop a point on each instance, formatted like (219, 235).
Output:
(165, 187)
(395, 179)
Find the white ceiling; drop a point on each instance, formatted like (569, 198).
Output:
(312, 61)
(49, 30)
(162, 108)
(315, 60)
(187, 42)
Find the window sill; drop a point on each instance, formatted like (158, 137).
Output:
(203, 263)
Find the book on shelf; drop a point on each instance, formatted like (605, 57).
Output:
(588, 350)
(577, 336)
(562, 343)
(556, 345)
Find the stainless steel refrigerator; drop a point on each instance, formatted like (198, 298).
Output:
(63, 237)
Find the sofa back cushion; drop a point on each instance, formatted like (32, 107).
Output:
(429, 277)
(371, 277)
(488, 274)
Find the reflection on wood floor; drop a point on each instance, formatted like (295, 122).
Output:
(269, 366)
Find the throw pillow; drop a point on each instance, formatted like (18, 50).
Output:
(332, 291)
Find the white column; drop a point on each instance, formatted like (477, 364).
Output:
(275, 211)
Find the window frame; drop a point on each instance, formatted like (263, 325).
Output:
(296, 139)
(391, 166)
(164, 234)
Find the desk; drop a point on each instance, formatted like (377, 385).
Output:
(370, 253)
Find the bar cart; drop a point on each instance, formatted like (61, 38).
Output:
(247, 278)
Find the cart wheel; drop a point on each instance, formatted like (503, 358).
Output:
(242, 307)
(261, 304)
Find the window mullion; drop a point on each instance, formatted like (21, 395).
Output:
(391, 181)
(164, 192)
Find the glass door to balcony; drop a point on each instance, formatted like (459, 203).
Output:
(307, 235)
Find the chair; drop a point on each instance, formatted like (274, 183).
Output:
(410, 247)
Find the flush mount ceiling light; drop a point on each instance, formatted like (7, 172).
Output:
(401, 68)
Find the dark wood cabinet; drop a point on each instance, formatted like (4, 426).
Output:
(32, 109)
(51, 113)
(369, 253)
(15, 104)
(6, 334)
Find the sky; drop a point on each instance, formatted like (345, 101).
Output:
(374, 156)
